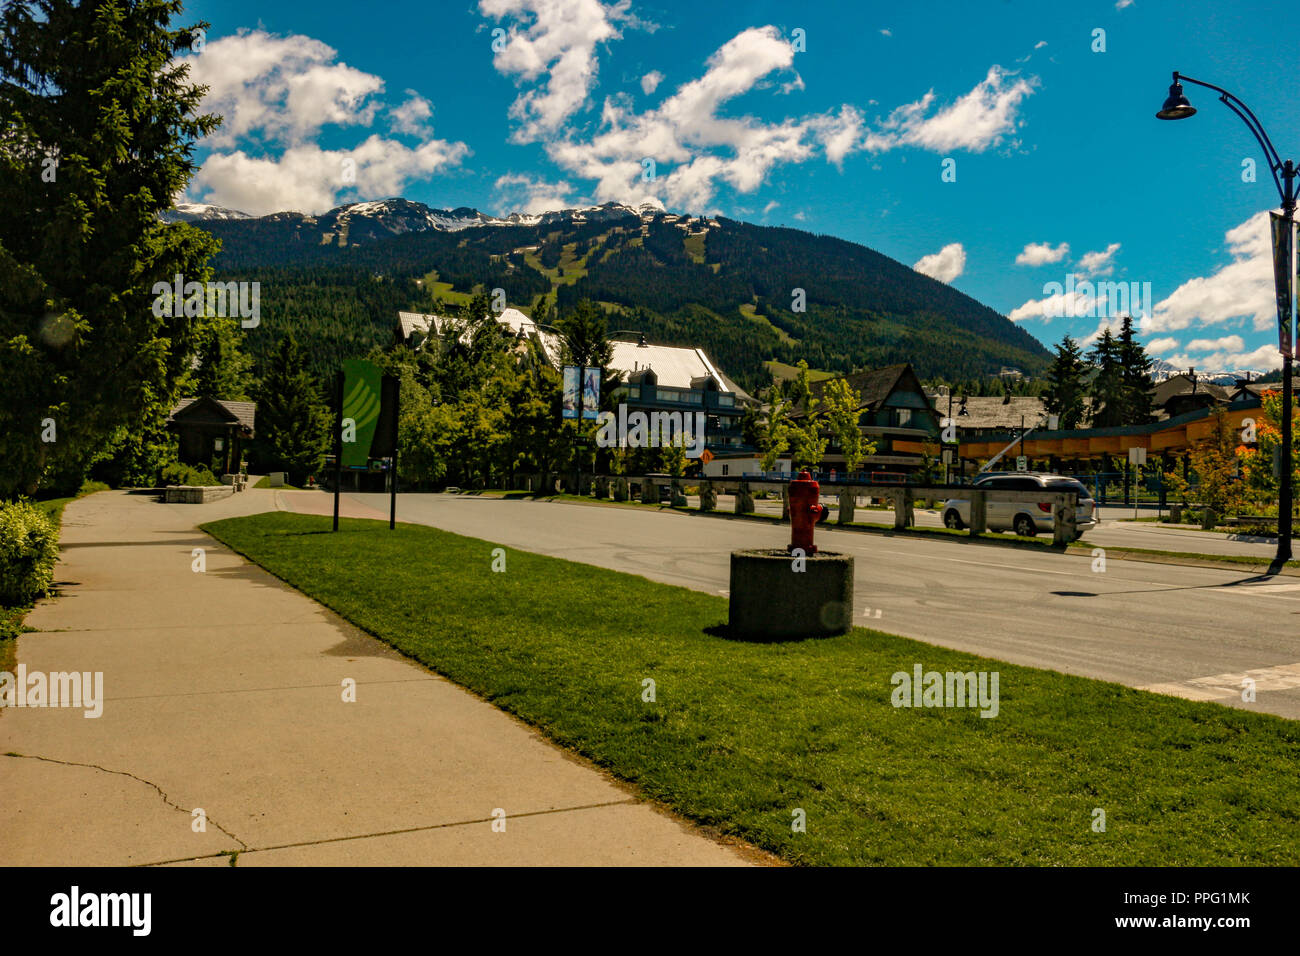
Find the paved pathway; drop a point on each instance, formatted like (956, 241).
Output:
(223, 691)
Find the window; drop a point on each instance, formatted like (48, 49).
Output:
(725, 470)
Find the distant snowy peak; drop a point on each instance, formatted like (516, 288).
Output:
(196, 211)
(360, 222)
(1162, 370)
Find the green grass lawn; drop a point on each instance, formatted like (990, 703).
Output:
(740, 735)
(265, 482)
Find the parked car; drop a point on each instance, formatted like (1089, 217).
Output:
(1023, 517)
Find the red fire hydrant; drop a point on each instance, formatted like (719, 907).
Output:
(805, 511)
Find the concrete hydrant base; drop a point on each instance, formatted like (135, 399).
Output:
(776, 596)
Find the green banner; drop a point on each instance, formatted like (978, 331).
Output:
(361, 404)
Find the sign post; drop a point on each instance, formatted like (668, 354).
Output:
(1136, 458)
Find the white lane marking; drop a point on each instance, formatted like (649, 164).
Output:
(1219, 686)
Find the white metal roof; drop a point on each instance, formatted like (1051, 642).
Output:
(674, 366)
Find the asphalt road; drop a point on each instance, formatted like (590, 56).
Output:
(1196, 632)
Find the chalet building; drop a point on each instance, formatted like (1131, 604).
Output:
(1185, 392)
(894, 412)
(654, 378)
(212, 432)
(671, 378)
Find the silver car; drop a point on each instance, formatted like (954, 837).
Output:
(1023, 517)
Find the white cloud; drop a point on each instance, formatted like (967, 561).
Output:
(412, 117)
(557, 38)
(552, 52)
(945, 265)
(283, 89)
(693, 147)
(1243, 288)
(974, 122)
(1121, 4)
(885, 32)
(276, 94)
(1068, 302)
(1100, 263)
(521, 193)
(1040, 44)
(801, 215)
(308, 179)
(1161, 346)
(1265, 357)
(1228, 343)
(770, 206)
(1040, 253)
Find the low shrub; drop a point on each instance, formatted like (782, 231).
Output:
(29, 548)
(178, 474)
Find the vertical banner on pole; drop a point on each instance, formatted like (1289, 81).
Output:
(590, 392)
(572, 391)
(1283, 243)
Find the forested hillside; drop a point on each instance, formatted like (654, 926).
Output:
(726, 286)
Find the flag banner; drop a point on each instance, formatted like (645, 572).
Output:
(1283, 241)
(572, 390)
(362, 401)
(590, 392)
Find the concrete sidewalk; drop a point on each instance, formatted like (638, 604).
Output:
(223, 690)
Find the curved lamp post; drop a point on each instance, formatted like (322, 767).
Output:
(1177, 107)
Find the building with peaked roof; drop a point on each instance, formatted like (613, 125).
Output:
(893, 411)
(672, 378)
(212, 431)
(1186, 392)
(414, 327)
(662, 378)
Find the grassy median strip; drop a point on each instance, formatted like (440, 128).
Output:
(741, 735)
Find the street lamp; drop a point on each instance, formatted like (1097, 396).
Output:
(1177, 107)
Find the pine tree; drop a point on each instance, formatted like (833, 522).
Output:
(585, 335)
(1135, 375)
(1065, 389)
(99, 127)
(222, 369)
(1108, 385)
(292, 424)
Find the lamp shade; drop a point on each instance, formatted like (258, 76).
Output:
(1176, 106)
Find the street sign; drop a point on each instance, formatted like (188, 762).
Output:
(1022, 463)
(1137, 456)
(706, 456)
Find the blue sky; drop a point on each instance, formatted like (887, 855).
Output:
(1060, 167)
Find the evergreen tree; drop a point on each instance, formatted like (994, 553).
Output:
(584, 334)
(1064, 393)
(221, 370)
(1108, 385)
(99, 125)
(1135, 375)
(293, 426)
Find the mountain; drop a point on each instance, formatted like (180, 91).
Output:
(742, 292)
(1161, 370)
(200, 212)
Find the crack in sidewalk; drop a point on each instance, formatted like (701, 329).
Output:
(124, 773)
(384, 833)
